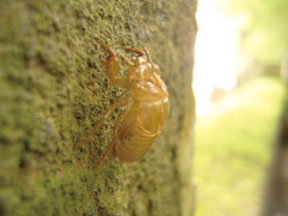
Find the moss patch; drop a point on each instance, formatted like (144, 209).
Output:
(53, 90)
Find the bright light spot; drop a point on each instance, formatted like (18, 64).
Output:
(216, 54)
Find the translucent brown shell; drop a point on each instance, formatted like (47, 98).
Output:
(145, 105)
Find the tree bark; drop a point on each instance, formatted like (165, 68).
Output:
(54, 89)
(276, 194)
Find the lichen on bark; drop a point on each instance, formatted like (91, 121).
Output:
(53, 90)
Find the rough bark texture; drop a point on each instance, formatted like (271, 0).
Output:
(53, 90)
(276, 197)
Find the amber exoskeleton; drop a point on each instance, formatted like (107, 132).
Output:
(145, 104)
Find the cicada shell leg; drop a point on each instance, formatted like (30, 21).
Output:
(148, 56)
(140, 52)
(112, 65)
(112, 143)
(126, 60)
(119, 102)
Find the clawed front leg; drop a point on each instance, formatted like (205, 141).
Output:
(140, 52)
(112, 65)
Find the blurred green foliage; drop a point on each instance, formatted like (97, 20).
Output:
(234, 149)
(266, 30)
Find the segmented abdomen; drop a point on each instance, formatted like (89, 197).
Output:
(143, 123)
(132, 147)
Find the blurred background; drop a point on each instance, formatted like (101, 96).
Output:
(240, 78)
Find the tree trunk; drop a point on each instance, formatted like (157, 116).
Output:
(276, 194)
(54, 89)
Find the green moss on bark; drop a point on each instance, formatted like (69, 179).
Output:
(53, 90)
